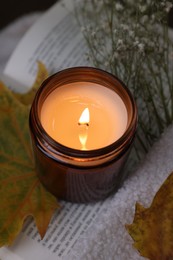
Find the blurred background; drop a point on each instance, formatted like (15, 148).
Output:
(11, 10)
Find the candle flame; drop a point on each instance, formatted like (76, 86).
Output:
(84, 118)
(84, 123)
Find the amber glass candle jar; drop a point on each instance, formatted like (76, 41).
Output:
(93, 171)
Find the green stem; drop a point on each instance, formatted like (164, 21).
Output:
(159, 85)
(137, 151)
(169, 76)
(158, 118)
(141, 143)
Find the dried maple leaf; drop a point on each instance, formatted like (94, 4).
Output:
(21, 192)
(152, 228)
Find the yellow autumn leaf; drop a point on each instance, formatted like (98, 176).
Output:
(21, 192)
(152, 228)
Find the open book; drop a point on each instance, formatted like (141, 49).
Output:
(56, 40)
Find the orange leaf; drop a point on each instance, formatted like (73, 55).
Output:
(152, 228)
(21, 192)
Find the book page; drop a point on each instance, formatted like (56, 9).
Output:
(67, 225)
(55, 39)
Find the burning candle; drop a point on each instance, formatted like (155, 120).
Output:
(82, 124)
(66, 106)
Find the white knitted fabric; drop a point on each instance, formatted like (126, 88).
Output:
(107, 237)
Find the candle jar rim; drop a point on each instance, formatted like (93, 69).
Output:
(89, 74)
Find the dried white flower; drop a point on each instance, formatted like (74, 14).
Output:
(115, 55)
(118, 7)
(144, 19)
(136, 43)
(124, 27)
(131, 33)
(123, 38)
(141, 47)
(142, 8)
(93, 34)
(106, 64)
(168, 6)
(83, 29)
(119, 42)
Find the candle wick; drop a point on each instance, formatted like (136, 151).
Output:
(86, 124)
